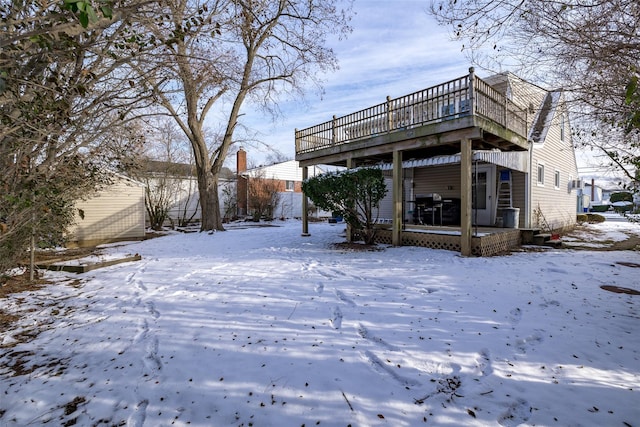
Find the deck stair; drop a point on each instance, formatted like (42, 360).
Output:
(534, 236)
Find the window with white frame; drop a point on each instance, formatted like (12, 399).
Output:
(556, 179)
(541, 174)
(289, 186)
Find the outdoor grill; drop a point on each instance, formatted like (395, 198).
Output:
(428, 209)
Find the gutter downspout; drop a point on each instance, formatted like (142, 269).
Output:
(528, 188)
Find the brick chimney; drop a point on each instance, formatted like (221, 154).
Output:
(241, 186)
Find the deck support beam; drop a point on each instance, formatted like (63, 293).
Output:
(396, 236)
(305, 205)
(465, 197)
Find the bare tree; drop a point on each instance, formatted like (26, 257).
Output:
(263, 195)
(223, 52)
(230, 203)
(590, 48)
(166, 169)
(62, 93)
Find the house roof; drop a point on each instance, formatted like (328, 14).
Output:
(179, 169)
(543, 119)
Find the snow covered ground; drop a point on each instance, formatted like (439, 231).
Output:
(263, 327)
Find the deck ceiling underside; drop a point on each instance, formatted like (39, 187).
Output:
(418, 142)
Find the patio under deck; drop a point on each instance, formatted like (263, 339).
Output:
(458, 116)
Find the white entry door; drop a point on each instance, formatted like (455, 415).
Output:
(483, 195)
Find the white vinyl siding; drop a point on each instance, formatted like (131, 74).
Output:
(285, 171)
(558, 207)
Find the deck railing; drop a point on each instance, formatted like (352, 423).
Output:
(467, 95)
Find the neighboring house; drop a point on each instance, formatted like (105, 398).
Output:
(467, 153)
(597, 197)
(179, 184)
(284, 178)
(114, 213)
(598, 191)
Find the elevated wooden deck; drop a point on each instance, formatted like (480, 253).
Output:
(429, 122)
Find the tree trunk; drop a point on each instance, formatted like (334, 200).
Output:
(209, 201)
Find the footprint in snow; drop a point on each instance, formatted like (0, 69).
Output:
(151, 308)
(151, 360)
(550, 303)
(336, 317)
(529, 342)
(388, 286)
(342, 297)
(319, 288)
(143, 330)
(140, 414)
(364, 333)
(484, 363)
(514, 316)
(517, 414)
(391, 370)
(556, 270)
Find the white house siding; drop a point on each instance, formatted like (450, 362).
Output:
(185, 200)
(185, 197)
(115, 213)
(289, 205)
(521, 93)
(553, 207)
(285, 171)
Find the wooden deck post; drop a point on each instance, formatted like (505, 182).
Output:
(396, 230)
(305, 206)
(472, 88)
(334, 133)
(389, 115)
(465, 197)
(349, 230)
